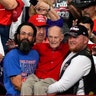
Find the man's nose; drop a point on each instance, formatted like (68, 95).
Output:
(53, 39)
(26, 36)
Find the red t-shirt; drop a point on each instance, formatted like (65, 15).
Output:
(94, 27)
(50, 63)
(7, 15)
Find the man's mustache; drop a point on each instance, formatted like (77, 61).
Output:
(25, 46)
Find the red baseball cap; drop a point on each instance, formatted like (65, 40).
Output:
(38, 20)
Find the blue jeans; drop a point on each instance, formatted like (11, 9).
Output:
(4, 32)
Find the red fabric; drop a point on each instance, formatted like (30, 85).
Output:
(94, 27)
(17, 11)
(90, 46)
(50, 63)
(38, 20)
(6, 15)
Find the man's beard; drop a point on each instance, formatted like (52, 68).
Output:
(76, 49)
(25, 46)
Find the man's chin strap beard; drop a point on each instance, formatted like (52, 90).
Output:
(25, 46)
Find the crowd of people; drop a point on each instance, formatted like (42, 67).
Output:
(47, 47)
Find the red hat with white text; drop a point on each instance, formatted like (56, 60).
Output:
(38, 20)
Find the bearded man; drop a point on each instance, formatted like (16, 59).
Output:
(22, 60)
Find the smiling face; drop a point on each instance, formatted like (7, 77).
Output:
(55, 36)
(77, 43)
(25, 38)
(26, 32)
(41, 34)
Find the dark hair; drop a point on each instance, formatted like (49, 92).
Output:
(86, 19)
(84, 1)
(19, 28)
(82, 4)
(29, 24)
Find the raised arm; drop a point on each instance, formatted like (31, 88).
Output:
(9, 4)
(74, 11)
(49, 10)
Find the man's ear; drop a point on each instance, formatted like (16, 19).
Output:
(18, 36)
(95, 8)
(34, 39)
(86, 39)
(62, 36)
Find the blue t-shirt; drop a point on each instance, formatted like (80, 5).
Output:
(16, 63)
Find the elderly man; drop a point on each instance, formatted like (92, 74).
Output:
(51, 56)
